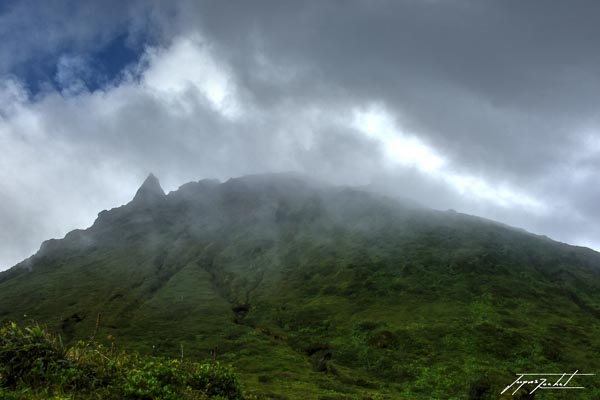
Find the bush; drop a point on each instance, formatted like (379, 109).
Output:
(27, 355)
(35, 365)
(167, 379)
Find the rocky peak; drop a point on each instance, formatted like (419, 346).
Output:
(150, 192)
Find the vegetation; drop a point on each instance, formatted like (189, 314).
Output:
(314, 292)
(36, 365)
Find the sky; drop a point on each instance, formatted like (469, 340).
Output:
(486, 107)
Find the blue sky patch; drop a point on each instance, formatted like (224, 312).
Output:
(90, 71)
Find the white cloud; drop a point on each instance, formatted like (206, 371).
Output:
(189, 65)
(183, 114)
(399, 147)
(402, 148)
(67, 155)
(499, 194)
(12, 96)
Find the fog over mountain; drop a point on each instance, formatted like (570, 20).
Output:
(488, 108)
(313, 291)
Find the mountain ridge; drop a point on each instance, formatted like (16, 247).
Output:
(151, 190)
(312, 291)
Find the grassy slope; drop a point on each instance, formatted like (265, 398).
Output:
(347, 295)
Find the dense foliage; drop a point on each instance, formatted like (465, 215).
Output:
(36, 365)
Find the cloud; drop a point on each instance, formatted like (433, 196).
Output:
(188, 65)
(71, 73)
(486, 108)
(399, 147)
(408, 150)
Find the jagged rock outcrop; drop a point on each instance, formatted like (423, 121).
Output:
(150, 193)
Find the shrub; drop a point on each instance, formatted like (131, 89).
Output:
(215, 380)
(27, 355)
(166, 379)
(35, 365)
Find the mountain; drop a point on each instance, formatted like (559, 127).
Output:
(319, 292)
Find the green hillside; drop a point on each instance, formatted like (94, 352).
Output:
(319, 292)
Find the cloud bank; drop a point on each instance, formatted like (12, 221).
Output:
(484, 107)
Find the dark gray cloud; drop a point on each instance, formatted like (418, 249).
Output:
(488, 107)
(482, 79)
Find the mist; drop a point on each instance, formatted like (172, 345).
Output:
(487, 108)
